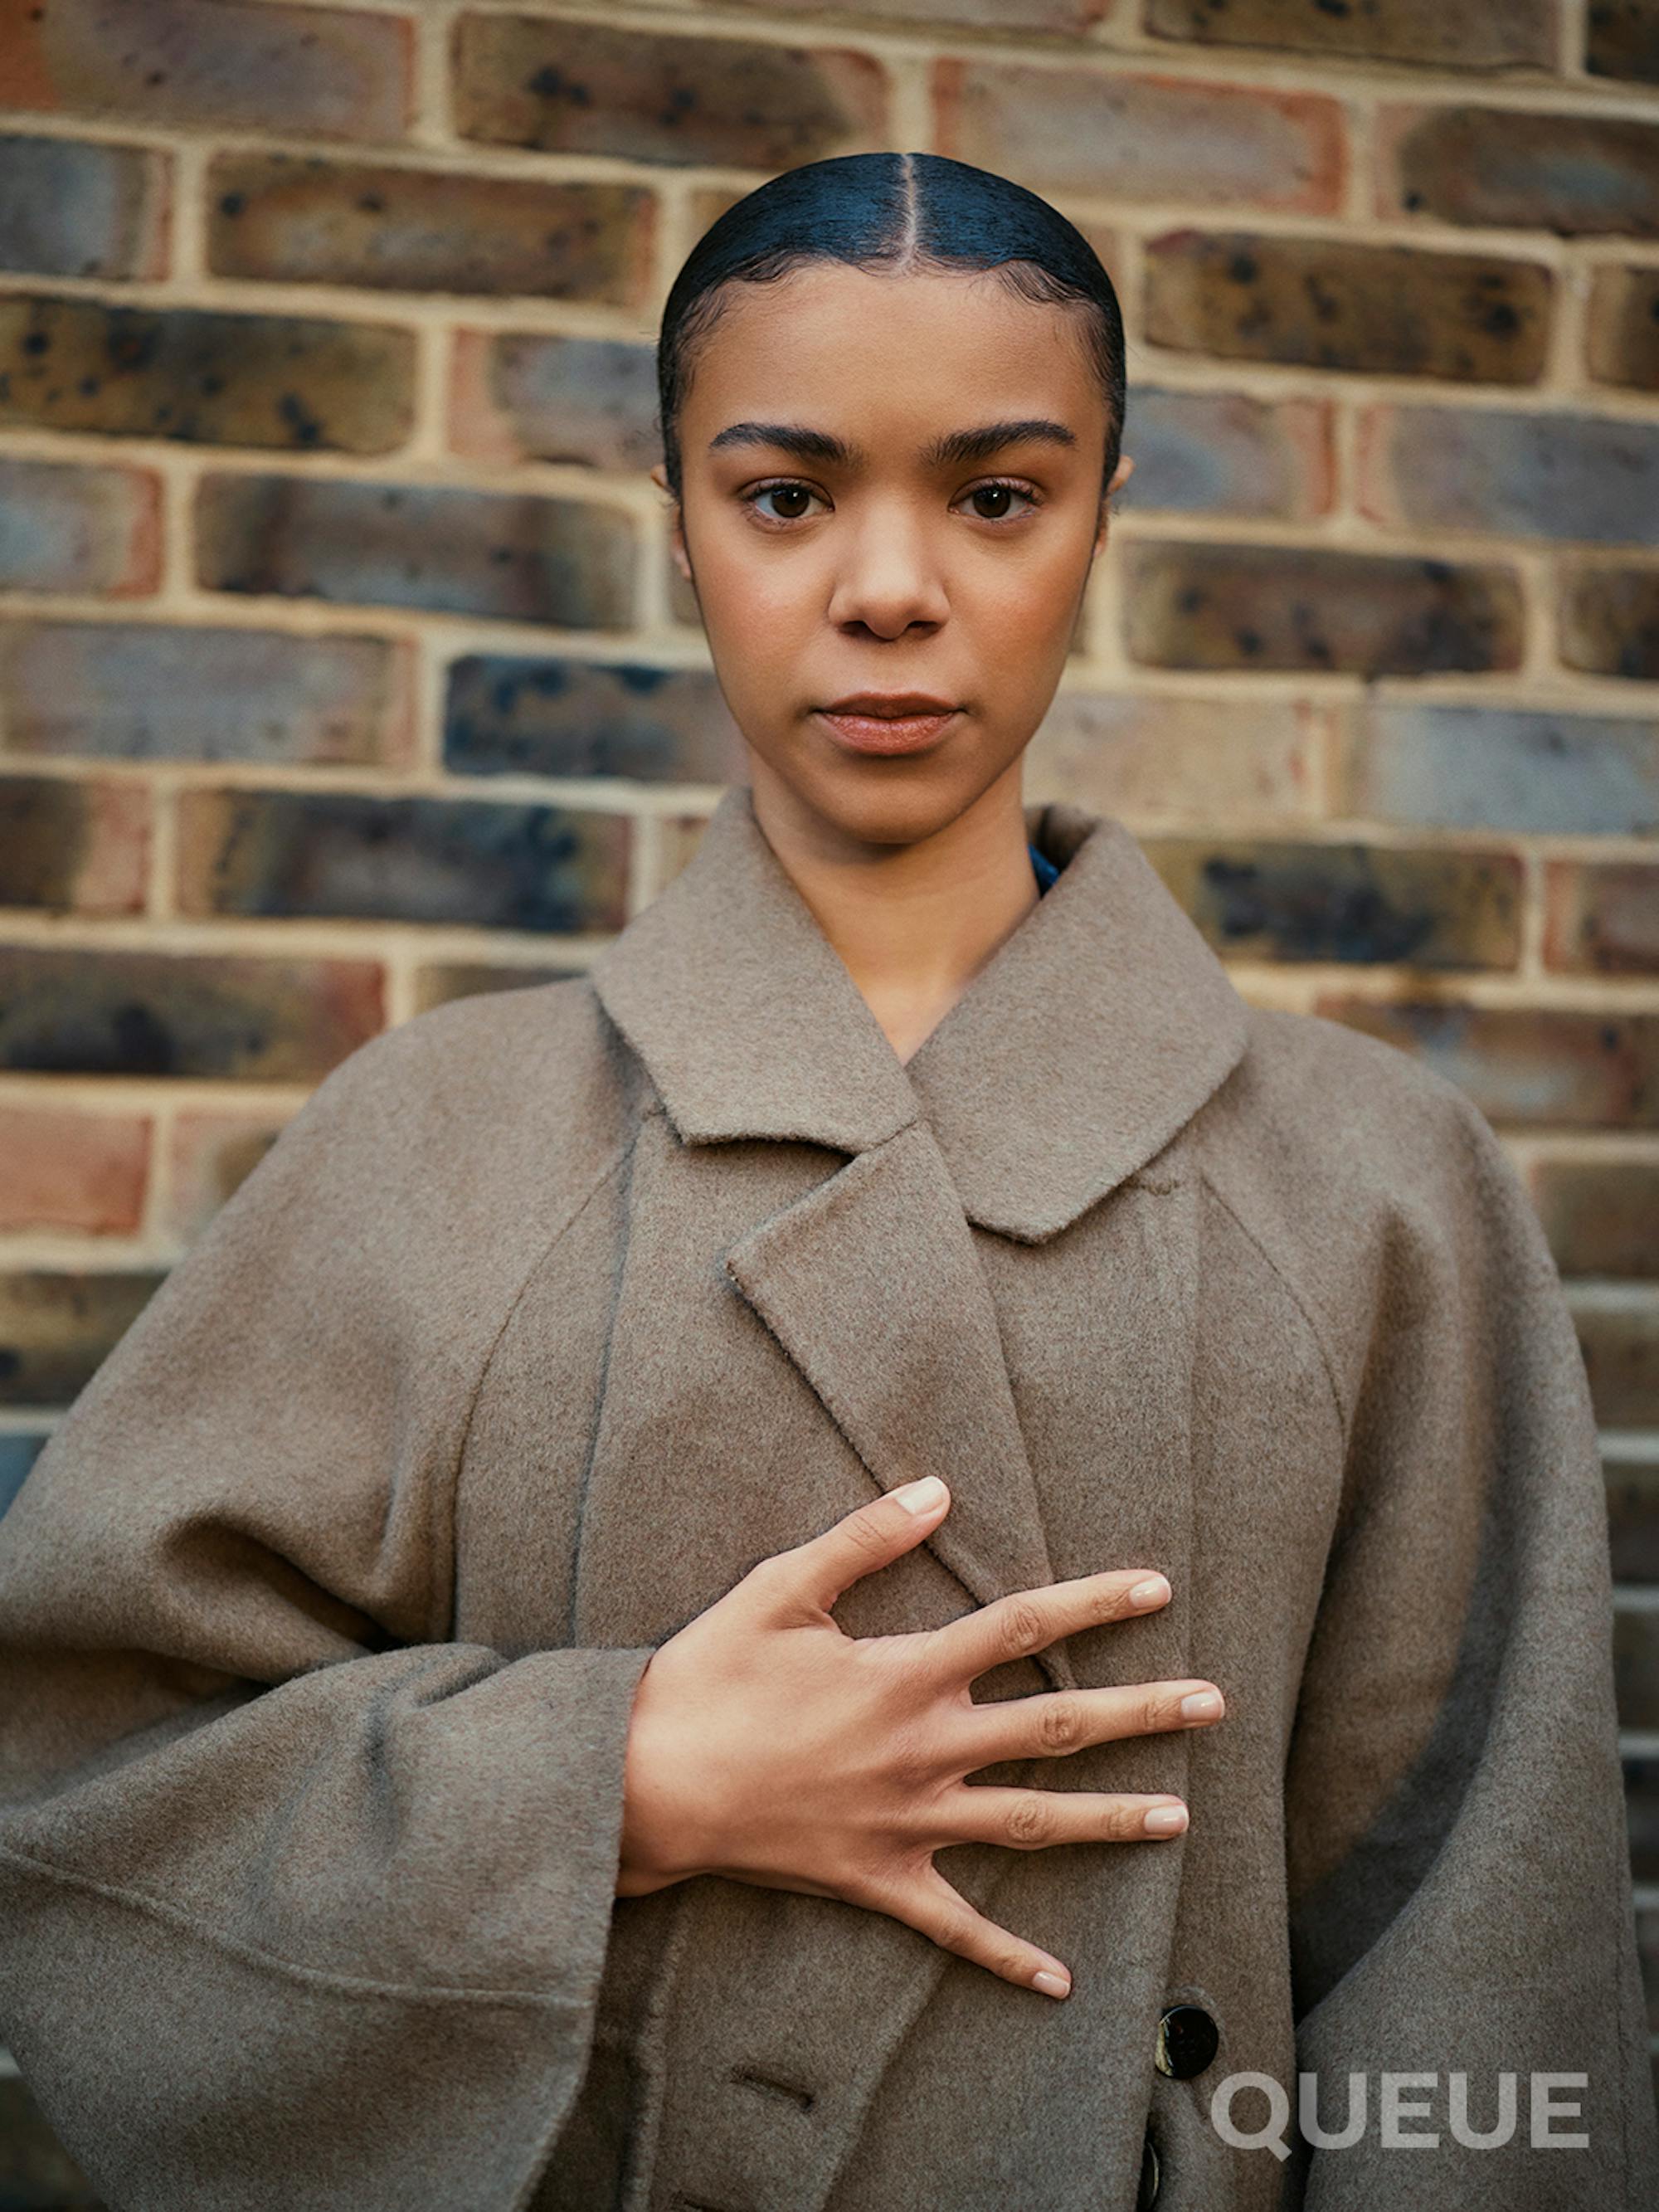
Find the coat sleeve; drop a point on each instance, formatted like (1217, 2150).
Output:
(1460, 1891)
(302, 1905)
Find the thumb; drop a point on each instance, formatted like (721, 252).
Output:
(868, 1537)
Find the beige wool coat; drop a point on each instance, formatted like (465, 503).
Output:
(556, 1309)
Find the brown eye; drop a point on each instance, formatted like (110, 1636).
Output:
(798, 492)
(1002, 492)
(1000, 495)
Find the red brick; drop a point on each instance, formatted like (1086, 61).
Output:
(74, 526)
(1609, 620)
(1222, 452)
(1624, 328)
(1538, 1066)
(1632, 1492)
(1331, 303)
(518, 395)
(308, 221)
(514, 556)
(475, 863)
(1621, 40)
(73, 848)
(1601, 1215)
(1067, 17)
(1282, 900)
(214, 1017)
(253, 65)
(195, 374)
(73, 207)
(1476, 35)
(57, 1327)
(1620, 1345)
(1108, 137)
(210, 1156)
(1602, 917)
(165, 691)
(1521, 168)
(539, 715)
(1517, 472)
(583, 87)
(1260, 606)
(1212, 761)
(437, 981)
(67, 1169)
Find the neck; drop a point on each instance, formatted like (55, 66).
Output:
(914, 923)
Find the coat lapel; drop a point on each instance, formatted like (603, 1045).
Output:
(1060, 1071)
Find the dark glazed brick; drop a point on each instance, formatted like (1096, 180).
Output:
(1466, 34)
(19, 1449)
(1636, 1668)
(74, 526)
(156, 691)
(1106, 135)
(1642, 1810)
(1543, 1067)
(1347, 903)
(513, 555)
(443, 980)
(1524, 169)
(207, 1016)
(527, 716)
(73, 848)
(37, 2174)
(1632, 1517)
(1525, 474)
(522, 396)
(1624, 328)
(1602, 1216)
(69, 208)
(58, 1328)
(1324, 303)
(1609, 621)
(288, 381)
(1222, 452)
(338, 72)
(1601, 918)
(500, 866)
(308, 221)
(1260, 606)
(1622, 40)
(1620, 1345)
(575, 88)
(1497, 767)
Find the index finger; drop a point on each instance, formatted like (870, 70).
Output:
(1015, 1627)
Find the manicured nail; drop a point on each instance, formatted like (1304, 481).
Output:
(1165, 1820)
(917, 1497)
(1053, 1985)
(1199, 1704)
(1149, 1592)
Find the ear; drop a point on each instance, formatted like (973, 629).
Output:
(1121, 476)
(677, 539)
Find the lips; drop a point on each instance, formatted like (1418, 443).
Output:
(888, 722)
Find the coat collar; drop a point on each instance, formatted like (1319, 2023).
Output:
(1097, 1029)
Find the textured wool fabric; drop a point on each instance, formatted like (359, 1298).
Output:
(556, 1309)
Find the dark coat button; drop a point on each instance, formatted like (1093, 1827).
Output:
(1148, 2188)
(1187, 2040)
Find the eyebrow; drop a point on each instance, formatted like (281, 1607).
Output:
(951, 449)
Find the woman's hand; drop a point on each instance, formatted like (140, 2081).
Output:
(768, 1746)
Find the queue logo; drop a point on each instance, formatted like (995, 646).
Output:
(1413, 2112)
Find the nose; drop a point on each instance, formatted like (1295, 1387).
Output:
(889, 576)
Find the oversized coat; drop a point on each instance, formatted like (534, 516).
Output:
(556, 1309)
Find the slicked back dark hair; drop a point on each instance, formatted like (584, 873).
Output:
(891, 212)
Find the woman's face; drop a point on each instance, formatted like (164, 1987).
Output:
(839, 544)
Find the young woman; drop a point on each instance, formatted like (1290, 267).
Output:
(620, 1634)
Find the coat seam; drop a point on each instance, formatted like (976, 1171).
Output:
(1304, 1306)
(253, 1954)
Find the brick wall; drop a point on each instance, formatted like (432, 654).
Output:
(342, 667)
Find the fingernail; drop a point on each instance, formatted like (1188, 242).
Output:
(1149, 1592)
(917, 1497)
(1053, 1985)
(1200, 1703)
(1165, 1820)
